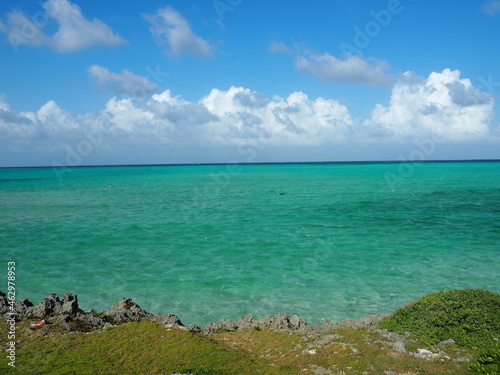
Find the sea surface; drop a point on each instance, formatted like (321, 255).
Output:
(209, 242)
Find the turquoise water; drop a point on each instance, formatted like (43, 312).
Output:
(324, 241)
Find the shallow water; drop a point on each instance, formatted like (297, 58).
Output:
(324, 241)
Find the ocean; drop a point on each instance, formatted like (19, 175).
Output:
(212, 242)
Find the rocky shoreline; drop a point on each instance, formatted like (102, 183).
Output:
(66, 313)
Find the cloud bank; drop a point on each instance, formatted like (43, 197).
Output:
(441, 106)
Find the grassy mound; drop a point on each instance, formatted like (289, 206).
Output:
(471, 317)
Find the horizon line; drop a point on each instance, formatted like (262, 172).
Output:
(256, 163)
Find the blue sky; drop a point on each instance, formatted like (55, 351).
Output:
(87, 82)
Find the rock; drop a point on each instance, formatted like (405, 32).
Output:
(22, 306)
(366, 322)
(466, 358)
(425, 354)
(282, 322)
(446, 342)
(50, 306)
(95, 321)
(390, 335)
(63, 321)
(396, 341)
(309, 351)
(390, 373)
(399, 346)
(167, 320)
(326, 326)
(224, 325)
(326, 339)
(193, 328)
(70, 304)
(66, 313)
(246, 321)
(126, 310)
(4, 306)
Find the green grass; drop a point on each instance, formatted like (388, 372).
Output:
(150, 348)
(133, 348)
(471, 317)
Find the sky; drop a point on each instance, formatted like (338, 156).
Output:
(224, 81)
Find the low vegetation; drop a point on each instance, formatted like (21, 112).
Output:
(150, 348)
(471, 317)
(487, 362)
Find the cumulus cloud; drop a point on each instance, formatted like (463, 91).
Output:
(233, 117)
(224, 117)
(352, 69)
(179, 112)
(442, 106)
(124, 83)
(48, 122)
(491, 8)
(74, 33)
(243, 116)
(169, 27)
(53, 120)
(15, 125)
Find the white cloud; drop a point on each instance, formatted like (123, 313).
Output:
(491, 8)
(74, 32)
(179, 112)
(351, 70)
(49, 121)
(169, 27)
(441, 106)
(54, 120)
(21, 31)
(279, 47)
(244, 116)
(16, 125)
(125, 82)
(233, 117)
